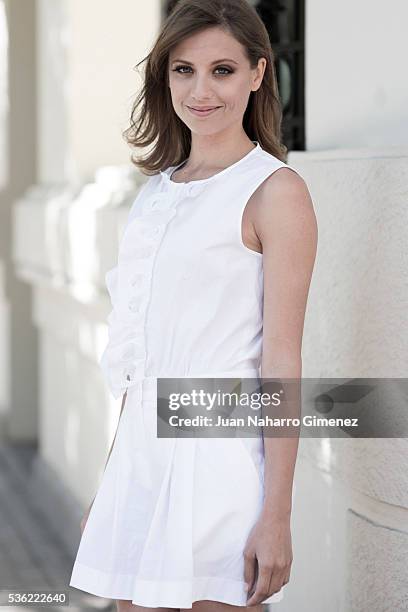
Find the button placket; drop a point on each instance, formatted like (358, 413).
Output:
(134, 305)
(137, 280)
(153, 232)
(157, 202)
(139, 247)
(137, 251)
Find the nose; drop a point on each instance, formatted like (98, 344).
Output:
(201, 89)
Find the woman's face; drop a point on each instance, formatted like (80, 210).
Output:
(209, 69)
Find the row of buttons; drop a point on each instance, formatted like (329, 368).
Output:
(153, 211)
(138, 246)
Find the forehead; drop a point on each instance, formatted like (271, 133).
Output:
(211, 43)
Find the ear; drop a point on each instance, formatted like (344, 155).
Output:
(258, 73)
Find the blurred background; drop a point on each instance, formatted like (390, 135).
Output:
(67, 82)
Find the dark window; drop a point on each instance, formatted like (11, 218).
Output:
(285, 23)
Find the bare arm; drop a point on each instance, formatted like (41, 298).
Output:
(287, 228)
(285, 224)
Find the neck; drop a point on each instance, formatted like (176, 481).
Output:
(213, 155)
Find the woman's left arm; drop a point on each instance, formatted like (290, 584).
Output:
(286, 226)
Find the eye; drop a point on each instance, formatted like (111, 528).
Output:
(179, 69)
(229, 71)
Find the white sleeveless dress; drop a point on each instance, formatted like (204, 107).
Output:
(171, 517)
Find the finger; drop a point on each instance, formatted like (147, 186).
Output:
(262, 585)
(278, 580)
(286, 578)
(249, 570)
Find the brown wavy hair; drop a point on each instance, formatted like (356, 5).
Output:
(153, 120)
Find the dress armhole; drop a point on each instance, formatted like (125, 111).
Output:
(247, 196)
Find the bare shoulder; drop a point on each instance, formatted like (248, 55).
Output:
(283, 200)
(282, 188)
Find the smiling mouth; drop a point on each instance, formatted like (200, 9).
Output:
(207, 108)
(203, 112)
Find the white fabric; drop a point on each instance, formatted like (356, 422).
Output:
(171, 516)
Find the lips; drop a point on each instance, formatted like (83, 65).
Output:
(204, 111)
(203, 108)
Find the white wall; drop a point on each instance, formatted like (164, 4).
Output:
(86, 54)
(350, 517)
(356, 88)
(4, 96)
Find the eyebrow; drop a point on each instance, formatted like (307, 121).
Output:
(212, 63)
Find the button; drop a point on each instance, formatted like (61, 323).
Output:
(128, 353)
(160, 201)
(134, 305)
(137, 280)
(194, 190)
(154, 231)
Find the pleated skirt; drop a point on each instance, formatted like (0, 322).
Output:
(171, 516)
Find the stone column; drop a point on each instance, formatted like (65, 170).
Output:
(18, 104)
(74, 84)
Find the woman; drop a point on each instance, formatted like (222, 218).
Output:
(212, 279)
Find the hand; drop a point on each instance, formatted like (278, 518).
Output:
(85, 518)
(268, 558)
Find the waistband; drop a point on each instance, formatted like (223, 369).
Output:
(148, 384)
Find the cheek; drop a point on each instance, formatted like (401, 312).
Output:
(233, 94)
(235, 103)
(177, 89)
